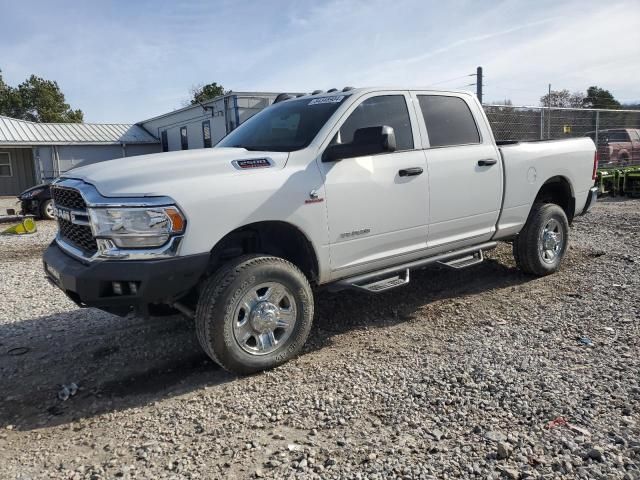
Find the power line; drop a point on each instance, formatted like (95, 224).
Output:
(450, 80)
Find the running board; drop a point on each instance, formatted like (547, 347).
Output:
(386, 283)
(396, 276)
(464, 261)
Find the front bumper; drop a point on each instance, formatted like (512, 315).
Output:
(141, 282)
(592, 198)
(30, 207)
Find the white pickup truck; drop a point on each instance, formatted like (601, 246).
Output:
(345, 189)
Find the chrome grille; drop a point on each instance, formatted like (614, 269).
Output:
(68, 198)
(79, 236)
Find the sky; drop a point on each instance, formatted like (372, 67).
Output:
(126, 60)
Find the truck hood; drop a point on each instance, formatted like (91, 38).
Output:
(147, 175)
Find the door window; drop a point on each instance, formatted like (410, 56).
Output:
(388, 110)
(448, 120)
(5, 165)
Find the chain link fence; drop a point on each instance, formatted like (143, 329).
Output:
(616, 132)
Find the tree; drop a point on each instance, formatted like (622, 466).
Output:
(37, 100)
(8, 98)
(562, 99)
(506, 102)
(201, 93)
(600, 98)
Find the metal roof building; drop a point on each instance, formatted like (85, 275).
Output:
(21, 132)
(32, 153)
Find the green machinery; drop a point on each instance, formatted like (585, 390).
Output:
(619, 181)
(631, 183)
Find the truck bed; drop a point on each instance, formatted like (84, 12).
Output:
(528, 165)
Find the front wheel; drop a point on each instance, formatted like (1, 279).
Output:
(46, 210)
(540, 246)
(255, 313)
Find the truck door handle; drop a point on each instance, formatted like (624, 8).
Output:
(410, 172)
(487, 162)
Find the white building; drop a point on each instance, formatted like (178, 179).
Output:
(202, 126)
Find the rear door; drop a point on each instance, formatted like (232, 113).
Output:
(465, 170)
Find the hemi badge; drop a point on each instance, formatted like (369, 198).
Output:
(251, 163)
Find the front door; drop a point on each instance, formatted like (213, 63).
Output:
(375, 212)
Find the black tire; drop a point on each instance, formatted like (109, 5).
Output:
(529, 246)
(46, 210)
(222, 295)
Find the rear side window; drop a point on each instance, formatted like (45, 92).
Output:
(618, 136)
(449, 121)
(389, 110)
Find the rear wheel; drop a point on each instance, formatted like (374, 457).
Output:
(542, 243)
(46, 210)
(255, 313)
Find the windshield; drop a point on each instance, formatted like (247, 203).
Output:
(285, 126)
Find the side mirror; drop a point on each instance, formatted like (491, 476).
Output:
(366, 141)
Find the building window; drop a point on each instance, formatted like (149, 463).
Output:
(165, 141)
(184, 140)
(5, 165)
(206, 133)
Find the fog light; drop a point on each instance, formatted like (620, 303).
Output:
(117, 288)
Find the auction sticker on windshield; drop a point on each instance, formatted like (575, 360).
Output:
(332, 99)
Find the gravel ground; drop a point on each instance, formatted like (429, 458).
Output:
(458, 374)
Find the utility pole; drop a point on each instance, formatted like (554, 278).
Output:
(479, 83)
(549, 115)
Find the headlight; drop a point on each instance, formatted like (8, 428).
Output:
(31, 194)
(136, 227)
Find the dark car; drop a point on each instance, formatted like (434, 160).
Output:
(37, 201)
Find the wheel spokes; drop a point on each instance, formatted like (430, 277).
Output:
(264, 318)
(275, 294)
(266, 341)
(285, 317)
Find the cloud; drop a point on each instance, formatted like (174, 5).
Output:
(126, 61)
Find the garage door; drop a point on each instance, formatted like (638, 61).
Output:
(16, 170)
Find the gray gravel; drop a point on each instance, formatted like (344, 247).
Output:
(460, 374)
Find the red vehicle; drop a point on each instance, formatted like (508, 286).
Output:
(618, 146)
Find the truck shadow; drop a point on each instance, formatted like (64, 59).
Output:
(123, 363)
